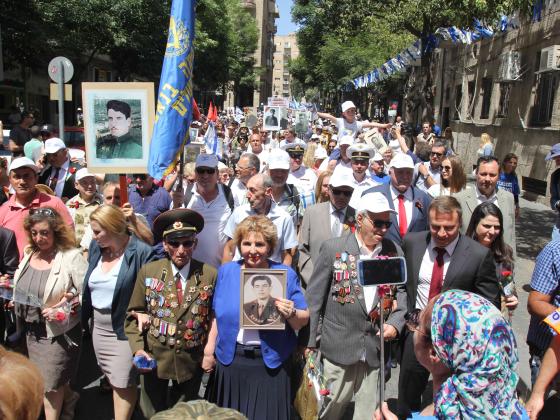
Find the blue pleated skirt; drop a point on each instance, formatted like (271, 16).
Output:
(251, 388)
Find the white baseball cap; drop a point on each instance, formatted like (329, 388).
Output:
(376, 157)
(53, 145)
(23, 162)
(320, 153)
(374, 202)
(349, 140)
(278, 159)
(206, 160)
(341, 179)
(347, 105)
(83, 173)
(222, 165)
(402, 160)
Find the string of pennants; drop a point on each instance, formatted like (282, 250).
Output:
(456, 35)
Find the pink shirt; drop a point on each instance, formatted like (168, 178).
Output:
(12, 215)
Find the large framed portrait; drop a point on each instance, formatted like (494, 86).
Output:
(118, 123)
(259, 290)
(271, 118)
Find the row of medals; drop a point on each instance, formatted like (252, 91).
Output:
(165, 331)
(345, 275)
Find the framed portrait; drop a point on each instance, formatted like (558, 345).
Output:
(302, 122)
(193, 134)
(284, 116)
(192, 150)
(259, 289)
(271, 118)
(118, 123)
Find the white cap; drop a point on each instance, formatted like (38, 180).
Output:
(402, 160)
(23, 162)
(341, 179)
(334, 137)
(315, 136)
(320, 153)
(374, 202)
(376, 157)
(83, 173)
(53, 145)
(222, 165)
(360, 151)
(278, 159)
(347, 105)
(206, 160)
(349, 140)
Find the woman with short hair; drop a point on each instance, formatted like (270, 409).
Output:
(252, 366)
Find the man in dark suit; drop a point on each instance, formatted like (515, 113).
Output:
(349, 340)
(324, 221)
(262, 310)
(58, 175)
(436, 261)
(9, 260)
(410, 203)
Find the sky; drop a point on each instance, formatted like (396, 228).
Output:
(285, 24)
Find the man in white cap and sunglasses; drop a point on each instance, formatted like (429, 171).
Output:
(23, 179)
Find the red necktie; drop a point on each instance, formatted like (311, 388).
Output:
(402, 216)
(179, 286)
(437, 273)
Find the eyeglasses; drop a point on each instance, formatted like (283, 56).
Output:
(379, 224)
(436, 154)
(296, 155)
(445, 168)
(188, 244)
(207, 171)
(346, 193)
(412, 320)
(42, 212)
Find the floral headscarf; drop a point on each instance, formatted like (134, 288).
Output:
(472, 338)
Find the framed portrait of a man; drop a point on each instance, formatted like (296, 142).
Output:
(118, 123)
(271, 118)
(259, 290)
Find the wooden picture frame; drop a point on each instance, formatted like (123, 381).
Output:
(261, 286)
(118, 125)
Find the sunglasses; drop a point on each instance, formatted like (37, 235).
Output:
(296, 155)
(381, 224)
(436, 154)
(207, 171)
(345, 193)
(188, 244)
(42, 212)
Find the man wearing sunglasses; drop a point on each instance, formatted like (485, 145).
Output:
(325, 221)
(428, 173)
(301, 176)
(350, 341)
(169, 313)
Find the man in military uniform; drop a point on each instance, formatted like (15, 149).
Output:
(262, 310)
(119, 143)
(169, 313)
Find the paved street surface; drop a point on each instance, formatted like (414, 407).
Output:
(533, 232)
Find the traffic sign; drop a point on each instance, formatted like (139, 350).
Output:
(55, 67)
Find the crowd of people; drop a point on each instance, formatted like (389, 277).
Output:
(156, 281)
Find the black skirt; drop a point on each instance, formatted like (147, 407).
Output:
(251, 388)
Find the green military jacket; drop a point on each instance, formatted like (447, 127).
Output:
(178, 331)
(123, 147)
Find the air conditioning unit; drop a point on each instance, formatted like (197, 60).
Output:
(510, 67)
(550, 59)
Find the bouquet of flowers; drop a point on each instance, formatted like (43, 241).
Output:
(507, 286)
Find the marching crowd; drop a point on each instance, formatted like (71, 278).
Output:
(156, 280)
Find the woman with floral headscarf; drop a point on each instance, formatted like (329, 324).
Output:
(471, 352)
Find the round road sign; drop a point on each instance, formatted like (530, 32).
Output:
(54, 69)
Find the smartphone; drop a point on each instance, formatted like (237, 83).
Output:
(374, 272)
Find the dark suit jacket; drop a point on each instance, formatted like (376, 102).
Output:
(9, 255)
(471, 268)
(270, 313)
(346, 330)
(420, 218)
(137, 254)
(315, 229)
(69, 189)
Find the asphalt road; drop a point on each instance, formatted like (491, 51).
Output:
(533, 233)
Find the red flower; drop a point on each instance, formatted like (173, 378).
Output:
(76, 204)
(60, 316)
(72, 170)
(324, 392)
(506, 273)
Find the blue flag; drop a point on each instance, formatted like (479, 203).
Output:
(174, 102)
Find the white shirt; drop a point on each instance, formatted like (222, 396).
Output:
(348, 129)
(369, 291)
(438, 190)
(421, 181)
(334, 217)
(304, 179)
(184, 272)
(239, 192)
(481, 198)
(343, 167)
(61, 178)
(211, 240)
(359, 188)
(426, 268)
(102, 285)
(284, 223)
(408, 204)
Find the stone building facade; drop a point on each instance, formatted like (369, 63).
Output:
(286, 49)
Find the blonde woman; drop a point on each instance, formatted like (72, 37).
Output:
(486, 146)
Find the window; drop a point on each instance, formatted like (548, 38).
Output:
(486, 98)
(505, 91)
(547, 84)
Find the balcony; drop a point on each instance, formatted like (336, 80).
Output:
(249, 4)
